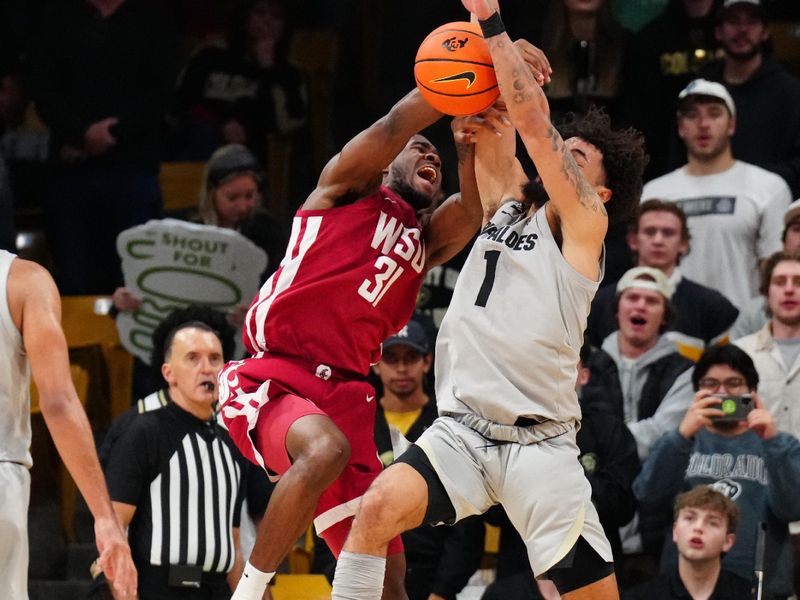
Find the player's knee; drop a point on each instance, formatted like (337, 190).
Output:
(324, 457)
(379, 514)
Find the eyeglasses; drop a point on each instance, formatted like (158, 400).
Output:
(730, 384)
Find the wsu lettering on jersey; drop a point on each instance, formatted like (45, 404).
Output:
(400, 247)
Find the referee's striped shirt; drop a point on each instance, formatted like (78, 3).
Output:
(185, 478)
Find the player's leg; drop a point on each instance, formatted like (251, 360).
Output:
(556, 519)
(587, 577)
(319, 453)
(310, 452)
(394, 503)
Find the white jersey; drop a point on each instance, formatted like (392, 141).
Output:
(15, 404)
(509, 344)
(735, 219)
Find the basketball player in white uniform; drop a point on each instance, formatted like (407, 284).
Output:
(31, 340)
(507, 354)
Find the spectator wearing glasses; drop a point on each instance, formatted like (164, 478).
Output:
(748, 459)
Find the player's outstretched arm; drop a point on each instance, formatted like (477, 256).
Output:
(35, 307)
(358, 168)
(578, 208)
(456, 220)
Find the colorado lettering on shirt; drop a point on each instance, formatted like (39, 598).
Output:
(509, 237)
(720, 466)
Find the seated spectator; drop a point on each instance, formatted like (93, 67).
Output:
(734, 209)
(750, 461)
(230, 198)
(638, 371)
(659, 238)
(177, 460)
(101, 74)
(775, 351)
(639, 374)
(704, 529)
(587, 51)
(754, 315)
(239, 93)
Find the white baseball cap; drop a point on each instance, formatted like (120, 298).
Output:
(729, 3)
(646, 278)
(792, 212)
(703, 87)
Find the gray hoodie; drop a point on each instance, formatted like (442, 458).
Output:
(633, 375)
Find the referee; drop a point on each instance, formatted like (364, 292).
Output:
(176, 479)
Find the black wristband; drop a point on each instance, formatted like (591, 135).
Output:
(492, 26)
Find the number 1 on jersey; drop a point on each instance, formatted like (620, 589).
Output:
(491, 257)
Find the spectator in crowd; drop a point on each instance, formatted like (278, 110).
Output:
(667, 54)
(587, 50)
(767, 96)
(638, 371)
(231, 197)
(240, 92)
(704, 529)
(734, 208)
(640, 375)
(746, 458)
(658, 239)
(101, 76)
(33, 343)
(178, 460)
(775, 350)
(754, 315)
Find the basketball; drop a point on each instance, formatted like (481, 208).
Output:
(454, 70)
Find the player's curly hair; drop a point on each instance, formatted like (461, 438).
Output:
(624, 157)
(193, 315)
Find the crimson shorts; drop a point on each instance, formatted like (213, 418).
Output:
(281, 390)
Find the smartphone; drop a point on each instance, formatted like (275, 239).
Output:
(736, 408)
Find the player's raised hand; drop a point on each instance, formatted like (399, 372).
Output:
(536, 59)
(482, 9)
(115, 558)
(465, 129)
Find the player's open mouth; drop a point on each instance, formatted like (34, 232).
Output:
(696, 542)
(428, 173)
(638, 321)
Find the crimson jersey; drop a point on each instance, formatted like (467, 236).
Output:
(348, 281)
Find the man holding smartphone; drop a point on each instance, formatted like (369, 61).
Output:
(750, 460)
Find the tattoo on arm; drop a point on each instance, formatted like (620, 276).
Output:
(587, 196)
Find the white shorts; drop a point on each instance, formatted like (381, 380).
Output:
(541, 485)
(15, 492)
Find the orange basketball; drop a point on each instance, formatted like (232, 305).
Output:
(454, 70)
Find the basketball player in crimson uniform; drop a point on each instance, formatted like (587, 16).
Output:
(358, 249)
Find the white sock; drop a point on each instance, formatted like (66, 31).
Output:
(252, 584)
(358, 577)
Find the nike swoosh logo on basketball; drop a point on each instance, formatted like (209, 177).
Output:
(370, 398)
(468, 75)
